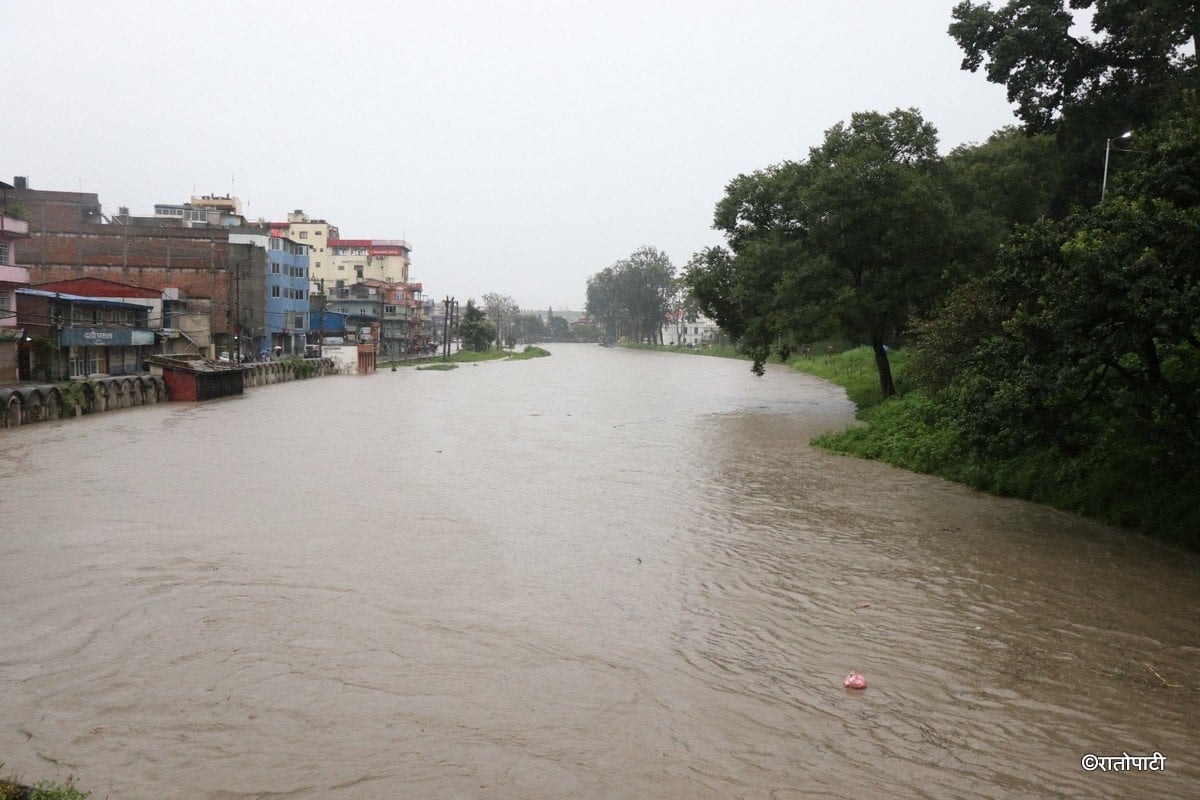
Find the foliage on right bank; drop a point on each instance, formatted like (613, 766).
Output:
(1051, 309)
(1108, 481)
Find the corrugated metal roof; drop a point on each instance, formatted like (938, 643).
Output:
(98, 301)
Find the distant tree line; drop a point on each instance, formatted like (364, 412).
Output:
(500, 321)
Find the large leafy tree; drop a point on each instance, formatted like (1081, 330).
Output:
(854, 240)
(1012, 178)
(476, 332)
(1085, 69)
(531, 328)
(632, 297)
(502, 311)
(1137, 51)
(1085, 340)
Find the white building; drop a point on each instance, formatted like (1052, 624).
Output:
(682, 333)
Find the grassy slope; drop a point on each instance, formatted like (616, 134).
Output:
(911, 431)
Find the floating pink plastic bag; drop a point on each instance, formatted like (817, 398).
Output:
(855, 680)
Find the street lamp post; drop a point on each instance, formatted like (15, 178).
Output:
(1107, 151)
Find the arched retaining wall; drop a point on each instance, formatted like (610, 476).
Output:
(26, 404)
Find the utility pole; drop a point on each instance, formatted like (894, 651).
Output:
(446, 329)
(237, 294)
(321, 321)
(382, 310)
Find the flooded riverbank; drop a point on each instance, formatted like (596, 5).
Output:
(608, 573)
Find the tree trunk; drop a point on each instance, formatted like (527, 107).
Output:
(885, 369)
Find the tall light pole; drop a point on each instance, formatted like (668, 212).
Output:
(1107, 151)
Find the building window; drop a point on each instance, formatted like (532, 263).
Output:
(298, 321)
(4, 253)
(341, 267)
(303, 234)
(274, 291)
(76, 365)
(274, 269)
(6, 307)
(97, 362)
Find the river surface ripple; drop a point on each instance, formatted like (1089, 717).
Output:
(604, 574)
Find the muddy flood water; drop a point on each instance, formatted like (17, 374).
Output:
(603, 574)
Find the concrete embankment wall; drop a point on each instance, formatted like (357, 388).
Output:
(27, 403)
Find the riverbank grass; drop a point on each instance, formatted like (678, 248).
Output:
(12, 789)
(911, 430)
(470, 357)
(718, 350)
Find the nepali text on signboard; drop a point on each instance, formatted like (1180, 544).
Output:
(104, 337)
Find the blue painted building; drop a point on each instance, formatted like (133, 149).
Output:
(287, 322)
(285, 309)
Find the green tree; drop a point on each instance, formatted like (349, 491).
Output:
(502, 310)
(1012, 178)
(1085, 339)
(560, 329)
(852, 241)
(1139, 51)
(631, 298)
(1135, 64)
(531, 328)
(476, 332)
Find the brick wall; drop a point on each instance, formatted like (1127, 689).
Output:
(68, 240)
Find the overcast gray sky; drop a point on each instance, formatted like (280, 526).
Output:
(519, 146)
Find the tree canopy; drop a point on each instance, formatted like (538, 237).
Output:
(631, 298)
(1086, 70)
(1137, 53)
(502, 311)
(853, 241)
(476, 332)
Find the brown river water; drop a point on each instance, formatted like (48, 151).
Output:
(603, 574)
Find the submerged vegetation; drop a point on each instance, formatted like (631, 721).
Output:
(11, 789)
(472, 357)
(1108, 480)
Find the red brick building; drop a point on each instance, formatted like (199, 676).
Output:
(70, 237)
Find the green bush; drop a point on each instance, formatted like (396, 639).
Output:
(1117, 479)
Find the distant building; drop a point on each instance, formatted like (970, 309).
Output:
(285, 320)
(220, 282)
(392, 314)
(176, 328)
(12, 278)
(206, 211)
(357, 260)
(681, 332)
(87, 336)
(315, 233)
